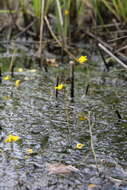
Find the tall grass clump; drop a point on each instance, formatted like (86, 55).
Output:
(117, 7)
(67, 15)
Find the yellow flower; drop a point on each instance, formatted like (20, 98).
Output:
(83, 118)
(60, 87)
(11, 138)
(80, 146)
(8, 77)
(20, 69)
(66, 12)
(29, 151)
(17, 83)
(82, 59)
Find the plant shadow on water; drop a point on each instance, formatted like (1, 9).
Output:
(50, 128)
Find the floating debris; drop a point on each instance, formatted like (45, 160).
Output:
(59, 168)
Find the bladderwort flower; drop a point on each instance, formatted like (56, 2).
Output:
(83, 118)
(8, 77)
(82, 59)
(17, 83)
(66, 12)
(79, 146)
(11, 138)
(60, 86)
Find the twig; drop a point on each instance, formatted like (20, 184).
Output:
(97, 39)
(91, 140)
(0, 74)
(12, 70)
(12, 65)
(87, 89)
(24, 29)
(106, 25)
(116, 39)
(112, 55)
(120, 49)
(61, 28)
(103, 58)
(41, 28)
(118, 114)
(72, 67)
(57, 83)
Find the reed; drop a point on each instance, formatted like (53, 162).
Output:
(117, 7)
(0, 74)
(67, 15)
(37, 7)
(72, 75)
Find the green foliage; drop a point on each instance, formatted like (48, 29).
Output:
(62, 11)
(37, 7)
(7, 11)
(117, 7)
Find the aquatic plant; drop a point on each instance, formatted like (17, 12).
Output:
(18, 83)
(79, 146)
(82, 59)
(11, 138)
(83, 118)
(60, 86)
(8, 77)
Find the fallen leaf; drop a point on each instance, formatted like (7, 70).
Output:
(59, 168)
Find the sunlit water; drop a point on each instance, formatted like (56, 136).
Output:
(52, 128)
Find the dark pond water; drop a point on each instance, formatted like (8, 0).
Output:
(52, 127)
